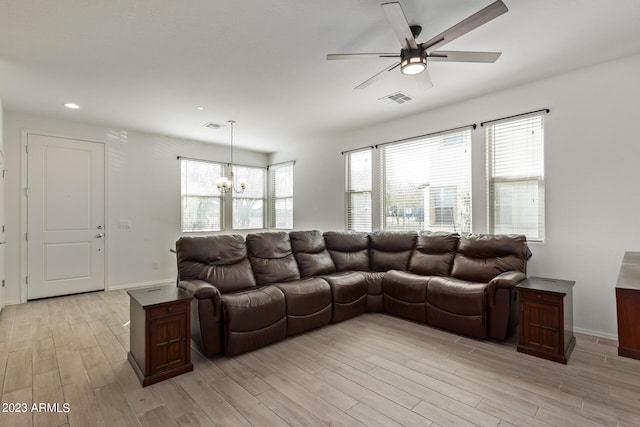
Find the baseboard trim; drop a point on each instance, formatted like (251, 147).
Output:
(142, 284)
(596, 333)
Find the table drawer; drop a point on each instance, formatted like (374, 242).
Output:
(165, 310)
(541, 297)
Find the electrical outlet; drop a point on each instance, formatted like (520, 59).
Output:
(156, 265)
(124, 224)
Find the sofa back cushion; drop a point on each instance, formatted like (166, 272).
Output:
(220, 260)
(481, 257)
(434, 252)
(348, 249)
(389, 250)
(271, 257)
(311, 253)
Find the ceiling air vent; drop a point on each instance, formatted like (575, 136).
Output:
(396, 98)
(214, 126)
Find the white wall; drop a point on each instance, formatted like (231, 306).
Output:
(592, 154)
(2, 209)
(143, 186)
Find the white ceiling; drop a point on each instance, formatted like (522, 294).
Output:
(146, 65)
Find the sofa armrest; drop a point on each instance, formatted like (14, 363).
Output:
(206, 315)
(508, 279)
(503, 307)
(199, 288)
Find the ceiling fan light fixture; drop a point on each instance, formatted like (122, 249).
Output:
(414, 61)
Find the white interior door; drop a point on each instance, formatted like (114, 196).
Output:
(65, 216)
(2, 231)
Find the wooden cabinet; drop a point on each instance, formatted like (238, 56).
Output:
(160, 344)
(546, 318)
(628, 306)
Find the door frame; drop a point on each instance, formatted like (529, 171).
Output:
(24, 137)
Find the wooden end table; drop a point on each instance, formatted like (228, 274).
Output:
(546, 318)
(628, 306)
(160, 341)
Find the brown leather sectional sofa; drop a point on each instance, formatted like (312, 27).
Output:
(253, 291)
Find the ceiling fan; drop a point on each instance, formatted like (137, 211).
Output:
(414, 56)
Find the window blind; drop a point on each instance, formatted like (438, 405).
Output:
(201, 205)
(248, 206)
(281, 195)
(358, 190)
(426, 183)
(515, 176)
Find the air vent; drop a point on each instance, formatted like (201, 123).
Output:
(396, 98)
(214, 126)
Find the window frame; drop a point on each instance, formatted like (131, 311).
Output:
(351, 222)
(521, 178)
(184, 163)
(235, 196)
(275, 198)
(438, 149)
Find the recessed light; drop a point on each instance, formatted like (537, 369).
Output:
(72, 105)
(200, 108)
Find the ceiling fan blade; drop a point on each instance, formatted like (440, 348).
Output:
(463, 27)
(424, 80)
(455, 56)
(333, 56)
(400, 26)
(377, 77)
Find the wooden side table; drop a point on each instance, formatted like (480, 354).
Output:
(160, 344)
(546, 318)
(628, 306)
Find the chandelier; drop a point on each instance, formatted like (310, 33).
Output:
(227, 184)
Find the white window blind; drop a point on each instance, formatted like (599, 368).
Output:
(358, 190)
(201, 205)
(281, 195)
(248, 206)
(426, 183)
(515, 169)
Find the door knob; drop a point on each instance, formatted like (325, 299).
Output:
(99, 236)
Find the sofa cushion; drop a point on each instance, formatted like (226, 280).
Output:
(481, 257)
(434, 252)
(272, 258)
(405, 294)
(253, 319)
(309, 304)
(405, 286)
(457, 296)
(254, 309)
(311, 253)
(389, 250)
(346, 286)
(348, 249)
(220, 260)
(373, 279)
(306, 296)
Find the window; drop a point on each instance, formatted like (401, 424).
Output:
(201, 199)
(358, 190)
(443, 204)
(281, 195)
(427, 183)
(515, 169)
(248, 206)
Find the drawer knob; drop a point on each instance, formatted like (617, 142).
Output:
(169, 308)
(539, 296)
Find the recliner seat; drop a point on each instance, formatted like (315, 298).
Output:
(308, 300)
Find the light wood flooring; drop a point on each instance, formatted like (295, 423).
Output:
(373, 370)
